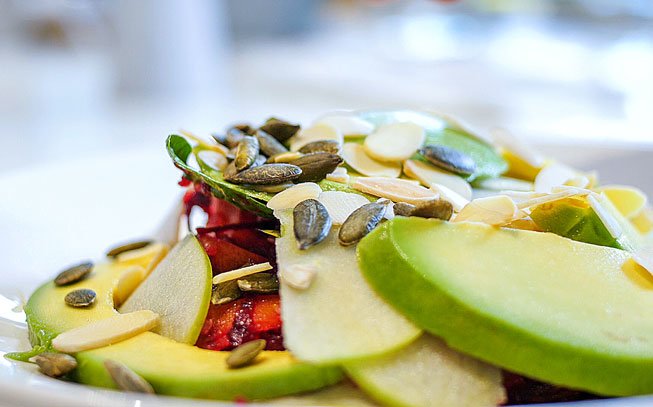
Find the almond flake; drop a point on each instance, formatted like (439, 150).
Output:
(505, 183)
(348, 124)
(341, 178)
(356, 157)
(565, 193)
(395, 189)
(457, 201)
(106, 331)
(494, 210)
(213, 159)
(517, 146)
(241, 272)
(394, 142)
(298, 276)
(341, 204)
(317, 132)
(290, 197)
(428, 175)
(553, 175)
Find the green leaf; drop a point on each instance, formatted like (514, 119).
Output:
(179, 150)
(489, 164)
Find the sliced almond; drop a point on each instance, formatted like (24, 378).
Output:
(394, 142)
(129, 279)
(356, 157)
(348, 124)
(241, 272)
(106, 331)
(292, 196)
(517, 146)
(505, 183)
(213, 159)
(494, 210)
(428, 175)
(521, 196)
(394, 189)
(341, 204)
(553, 175)
(147, 257)
(608, 220)
(628, 200)
(298, 276)
(317, 132)
(458, 201)
(565, 193)
(341, 178)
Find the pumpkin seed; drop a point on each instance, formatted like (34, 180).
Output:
(361, 222)
(280, 129)
(220, 138)
(437, 209)
(266, 174)
(246, 153)
(458, 201)
(55, 364)
(74, 274)
(233, 137)
(269, 145)
(126, 379)
(80, 298)
(316, 166)
(311, 223)
(285, 157)
(225, 292)
(127, 247)
(321, 146)
(259, 283)
(449, 159)
(245, 354)
(272, 189)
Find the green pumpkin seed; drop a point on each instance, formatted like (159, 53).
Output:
(55, 364)
(246, 153)
(269, 145)
(259, 283)
(235, 134)
(436, 208)
(361, 222)
(260, 160)
(225, 292)
(316, 166)
(267, 174)
(114, 252)
(245, 354)
(220, 138)
(126, 379)
(449, 159)
(230, 171)
(311, 223)
(321, 146)
(74, 274)
(80, 298)
(280, 129)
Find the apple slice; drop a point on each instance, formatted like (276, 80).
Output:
(178, 289)
(338, 317)
(541, 305)
(428, 373)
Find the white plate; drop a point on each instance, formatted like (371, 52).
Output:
(57, 215)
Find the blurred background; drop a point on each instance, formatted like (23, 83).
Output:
(80, 78)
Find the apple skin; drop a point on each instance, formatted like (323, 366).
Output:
(501, 319)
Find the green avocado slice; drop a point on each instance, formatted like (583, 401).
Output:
(547, 307)
(173, 368)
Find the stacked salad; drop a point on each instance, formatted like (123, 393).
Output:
(372, 258)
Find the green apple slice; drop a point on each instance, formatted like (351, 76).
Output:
(565, 312)
(179, 290)
(428, 373)
(338, 317)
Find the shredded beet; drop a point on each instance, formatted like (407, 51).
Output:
(522, 390)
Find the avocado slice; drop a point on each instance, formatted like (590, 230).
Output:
(547, 307)
(173, 368)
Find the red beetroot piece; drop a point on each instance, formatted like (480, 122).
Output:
(232, 324)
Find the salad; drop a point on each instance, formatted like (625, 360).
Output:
(391, 258)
